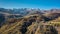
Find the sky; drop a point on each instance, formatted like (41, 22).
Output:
(42, 4)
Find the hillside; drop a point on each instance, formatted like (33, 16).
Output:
(36, 22)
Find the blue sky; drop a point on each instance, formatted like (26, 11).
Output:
(42, 4)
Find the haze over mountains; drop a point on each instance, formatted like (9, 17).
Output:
(24, 11)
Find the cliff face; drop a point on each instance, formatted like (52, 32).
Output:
(2, 19)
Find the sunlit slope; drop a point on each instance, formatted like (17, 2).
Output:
(30, 24)
(7, 28)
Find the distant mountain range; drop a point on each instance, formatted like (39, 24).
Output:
(24, 11)
(18, 13)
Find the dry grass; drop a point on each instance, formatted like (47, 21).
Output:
(34, 28)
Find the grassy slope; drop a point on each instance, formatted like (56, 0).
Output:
(14, 28)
